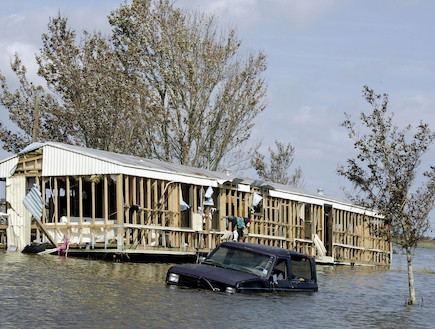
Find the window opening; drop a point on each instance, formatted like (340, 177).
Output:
(301, 269)
(281, 270)
(30, 181)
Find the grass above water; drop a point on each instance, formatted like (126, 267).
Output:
(430, 244)
(426, 244)
(426, 271)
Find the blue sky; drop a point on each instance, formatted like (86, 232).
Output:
(320, 53)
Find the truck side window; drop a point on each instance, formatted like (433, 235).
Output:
(281, 270)
(301, 269)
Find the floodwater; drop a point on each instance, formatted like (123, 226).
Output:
(57, 292)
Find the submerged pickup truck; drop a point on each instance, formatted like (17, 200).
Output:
(245, 267)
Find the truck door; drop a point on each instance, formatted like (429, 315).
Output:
(279, 280)
(302, 273)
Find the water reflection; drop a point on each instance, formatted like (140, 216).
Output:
(58, 292)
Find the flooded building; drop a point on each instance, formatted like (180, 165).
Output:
(103, 202)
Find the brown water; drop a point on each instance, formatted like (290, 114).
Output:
(57, 292)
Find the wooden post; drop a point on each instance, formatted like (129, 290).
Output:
(56, 203)
(174, 204)
(248, 197)
(126, 207)
(193, 194)
(68, 204)
(119, 211)
(80, 203)
(222, 211)
(68, 199)
(43, 199)
(134, 214)
(149, 206)
(142, 200)
(41, 227)
(106, 202)
(142, 206)
(93, 202)
(162, 204)
(154, 204)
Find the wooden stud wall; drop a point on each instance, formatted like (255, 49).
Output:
(355, 239)
(30, 164)
(156, 222)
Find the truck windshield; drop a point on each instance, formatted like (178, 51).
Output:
(242, 260)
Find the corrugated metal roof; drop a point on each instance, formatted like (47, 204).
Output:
(30, 148)
(7, 166)
(62, 159)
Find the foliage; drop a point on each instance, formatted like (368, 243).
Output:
(165, 84)
(91, 99)
(385, 170)
(21, 105)
(280, 162)
(206, 91)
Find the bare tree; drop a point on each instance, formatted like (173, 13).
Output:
(280, 162)
(384, 175)
(206, 91)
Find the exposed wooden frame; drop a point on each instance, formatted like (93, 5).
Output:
(156, 223)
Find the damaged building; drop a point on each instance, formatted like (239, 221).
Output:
(116, 204)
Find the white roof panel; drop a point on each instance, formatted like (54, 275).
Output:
(7, 166)
(62, 159)
(69, 160)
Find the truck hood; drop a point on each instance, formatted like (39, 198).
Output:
(214, 273)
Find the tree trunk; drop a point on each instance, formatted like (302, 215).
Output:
(412, 299)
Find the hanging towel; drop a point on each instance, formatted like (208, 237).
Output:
(183, 205)
(256, 199)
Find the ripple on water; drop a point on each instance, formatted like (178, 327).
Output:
(58, 292)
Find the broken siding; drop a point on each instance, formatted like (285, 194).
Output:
(7, 166)
(19, 221)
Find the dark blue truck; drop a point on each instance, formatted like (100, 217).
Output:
(246, 267)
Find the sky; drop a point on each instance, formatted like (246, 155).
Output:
(320, 55)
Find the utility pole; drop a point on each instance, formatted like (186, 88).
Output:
(36, 119)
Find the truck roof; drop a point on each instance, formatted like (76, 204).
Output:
(263, 249)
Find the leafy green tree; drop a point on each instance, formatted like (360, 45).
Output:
(384, 175)
(278, 169)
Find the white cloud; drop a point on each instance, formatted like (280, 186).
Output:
(26, 53)
(22, 28)
(298, 13)
(411, 108)
(246, 13)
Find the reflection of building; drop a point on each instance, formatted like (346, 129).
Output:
(119, 203)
